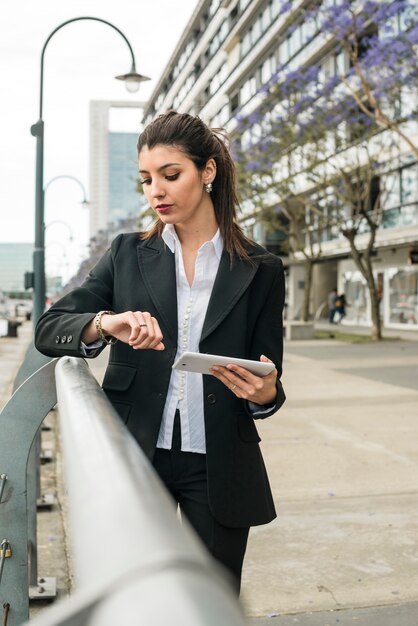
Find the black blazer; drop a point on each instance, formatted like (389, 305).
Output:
(244, 319)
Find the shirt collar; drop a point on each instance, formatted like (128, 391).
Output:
(171, 239)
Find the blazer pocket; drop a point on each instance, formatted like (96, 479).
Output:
(246, 429)
(118, 377)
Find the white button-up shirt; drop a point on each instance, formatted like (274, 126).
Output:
(185, 391)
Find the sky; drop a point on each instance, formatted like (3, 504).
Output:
(80, 63)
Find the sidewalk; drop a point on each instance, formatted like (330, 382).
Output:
(12, 353)
(388, 333)
(342, 456)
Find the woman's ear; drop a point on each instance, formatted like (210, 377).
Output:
(209, 171)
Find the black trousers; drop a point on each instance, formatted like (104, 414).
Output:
(184, 475)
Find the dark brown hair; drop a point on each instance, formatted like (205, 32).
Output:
(200, 143)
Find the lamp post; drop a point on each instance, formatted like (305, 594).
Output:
(84, 201)
(63, 223)
(132, 80)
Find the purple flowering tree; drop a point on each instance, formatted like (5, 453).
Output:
(317, 144)
(380, 39)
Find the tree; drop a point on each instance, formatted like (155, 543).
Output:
(381, 40)
(315, 130)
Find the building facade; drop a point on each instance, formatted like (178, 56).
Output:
(15, 260)
(113, 165)
(230, 49)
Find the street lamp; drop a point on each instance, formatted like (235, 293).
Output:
(63, 223)
(84, 203)
(132, 80)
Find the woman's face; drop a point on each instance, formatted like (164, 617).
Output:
(173, 185)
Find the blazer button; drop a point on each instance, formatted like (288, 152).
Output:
(69, 338)
(211, 398)
(57, 339)
(63, 339)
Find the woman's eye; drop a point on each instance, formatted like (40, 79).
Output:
(146, 181)
(172, 176)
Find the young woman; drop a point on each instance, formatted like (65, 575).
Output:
(193, 282)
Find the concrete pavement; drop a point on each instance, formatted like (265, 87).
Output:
(342, 457)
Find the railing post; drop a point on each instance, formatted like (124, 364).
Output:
(20, 420)
(32, 362)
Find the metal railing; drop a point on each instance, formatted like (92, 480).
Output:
(134, 563)
(20, 420)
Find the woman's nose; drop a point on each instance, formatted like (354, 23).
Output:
(157, 190)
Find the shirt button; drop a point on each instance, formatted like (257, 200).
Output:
(211, 398)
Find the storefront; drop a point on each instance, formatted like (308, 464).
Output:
(397, 286)
(401, 305)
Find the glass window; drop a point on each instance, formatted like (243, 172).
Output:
(294, 41)
(356, 295)
(391, 192)
(340, 63)
(266, 71)
(275, 8)
(266, 20)
(283, 53)
(403, 296)
(409, 184)
(214, 6)
(246, 43)
(243, 4)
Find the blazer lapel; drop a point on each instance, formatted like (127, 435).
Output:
(158, 270)
(230, 283)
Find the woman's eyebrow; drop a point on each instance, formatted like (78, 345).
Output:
(163, 167)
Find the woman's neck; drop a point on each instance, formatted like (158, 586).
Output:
(193, 236)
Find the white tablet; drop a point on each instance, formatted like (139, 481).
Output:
(198, 362)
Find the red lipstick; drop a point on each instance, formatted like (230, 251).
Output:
(163, 208)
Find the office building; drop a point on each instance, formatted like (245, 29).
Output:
(114, 129)
(15, 260)
(229, 50)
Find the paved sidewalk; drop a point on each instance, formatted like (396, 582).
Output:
(12, 353)
(342, 457)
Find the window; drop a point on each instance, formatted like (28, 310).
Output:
(403, 296)
(409, 184)
(243, 4)
(246, 43)
(214, 5)
(248, 90)
(266, 20)
(266, 70)
(274, 8)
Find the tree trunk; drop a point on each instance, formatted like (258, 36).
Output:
(307, 290)
(364, 264)
(374, 300)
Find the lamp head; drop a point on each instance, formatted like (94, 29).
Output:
(132, 79)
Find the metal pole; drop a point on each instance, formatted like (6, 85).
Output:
(39, 290)
(37, 130)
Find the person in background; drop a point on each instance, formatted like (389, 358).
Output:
(192, 282)
(340, 305)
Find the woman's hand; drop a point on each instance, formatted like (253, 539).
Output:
(257, 389)
(136, 328)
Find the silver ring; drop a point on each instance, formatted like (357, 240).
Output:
(142, 324)
(233, 387)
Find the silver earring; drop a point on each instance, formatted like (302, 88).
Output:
(208, 187)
